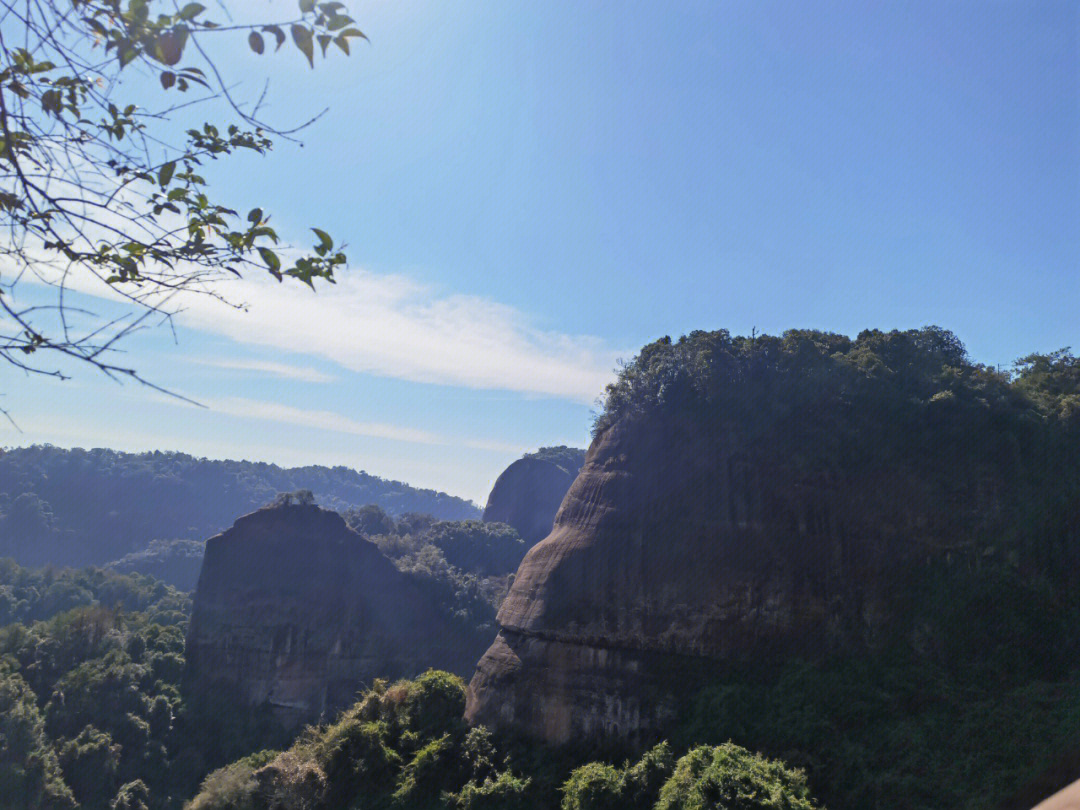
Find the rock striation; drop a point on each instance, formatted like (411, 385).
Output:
(295, 610)
(663, 557)
(528, 493)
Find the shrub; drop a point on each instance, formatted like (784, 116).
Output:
(433, 770)
(487, 549)
(90, 762)
(355, 756)
(132, 796)
(230, 788)
(596, 786)
(502, 792)
(643, 781)
(30, 776)
(435, 703)
(291, 782)
(728, 777)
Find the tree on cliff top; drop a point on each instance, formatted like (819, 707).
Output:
(301, 497)
(99, 192)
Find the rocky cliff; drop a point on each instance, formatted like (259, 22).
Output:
(528, 492)
(660, 555)
(296, 610)
(748, 500)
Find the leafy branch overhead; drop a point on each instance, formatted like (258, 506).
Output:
(96, 189)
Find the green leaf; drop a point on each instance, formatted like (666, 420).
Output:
(273, 263)
(168, 79)
(353, 32)
(191, 11)
(306, 6)
(50, 102)
(324, 42)
(342, 43)
(279, 35)
(189, 74)
(165, 173)
(169, 45)
(302, 37)
(338, 21)
(255, 216)
(255, 40)
(126, 55)
(324, 238)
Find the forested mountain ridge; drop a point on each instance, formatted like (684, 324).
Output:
(89, 507)
(93, 713)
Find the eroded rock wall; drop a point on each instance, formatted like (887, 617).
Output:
(674, 547)
(296, 610)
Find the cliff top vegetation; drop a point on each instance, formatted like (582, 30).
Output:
(715, 372)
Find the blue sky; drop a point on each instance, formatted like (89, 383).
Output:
(531, 191)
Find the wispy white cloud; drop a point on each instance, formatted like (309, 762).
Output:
(267, 367)
(392, 326)
(245, 408)
(324, 420)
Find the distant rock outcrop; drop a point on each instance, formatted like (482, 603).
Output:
(296, 610)
(528, 493)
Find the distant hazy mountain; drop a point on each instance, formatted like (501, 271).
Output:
(86, 507)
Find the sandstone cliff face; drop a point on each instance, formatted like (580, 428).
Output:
(673, 550)
(528, 493)
(296, 610)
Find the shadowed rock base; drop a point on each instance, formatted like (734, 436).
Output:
(562, 692)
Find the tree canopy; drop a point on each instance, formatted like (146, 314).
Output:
(102, 181)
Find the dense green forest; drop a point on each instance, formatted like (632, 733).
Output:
(92, 708)
(466, 565)
(404, 745)
(993, 453)
(90, 507)
(94, 714)
(92, 662)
